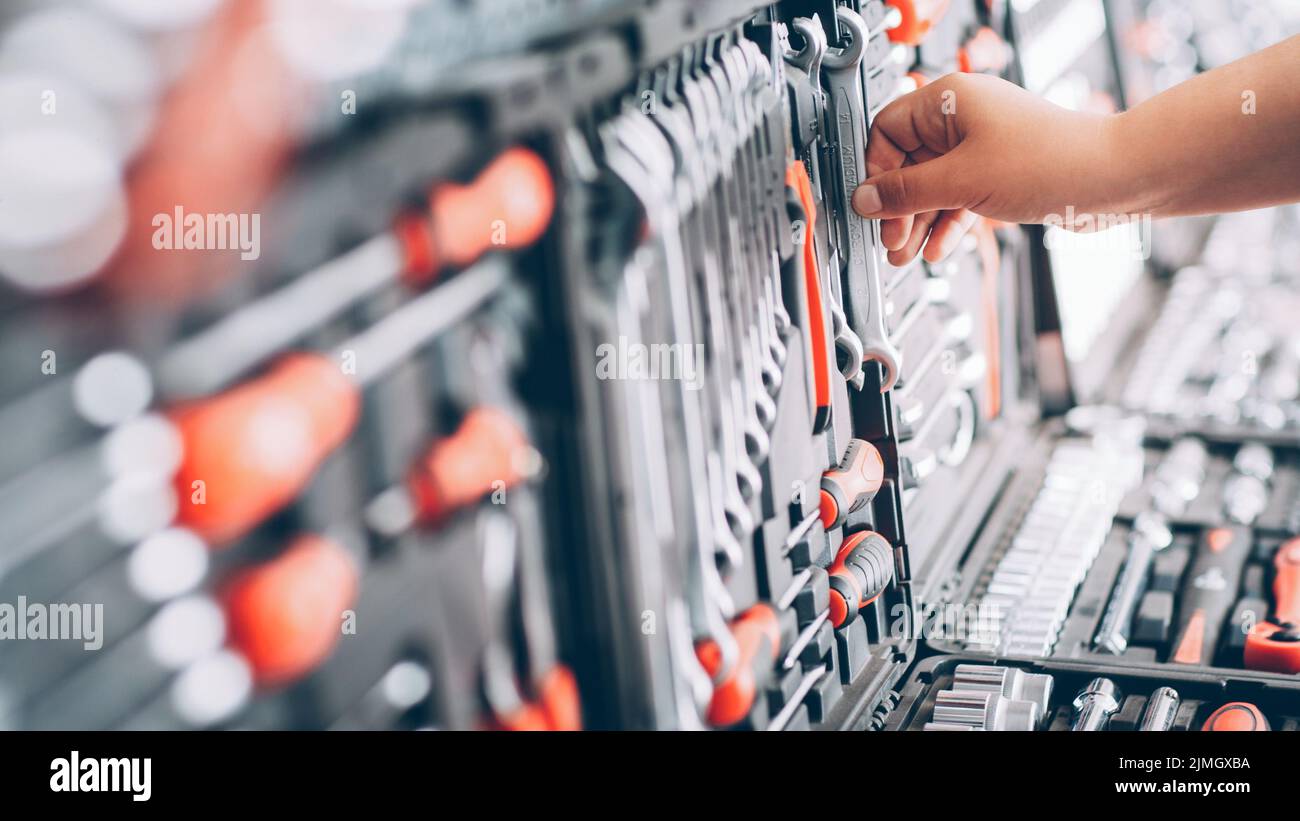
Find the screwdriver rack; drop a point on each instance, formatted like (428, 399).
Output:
(606, 411)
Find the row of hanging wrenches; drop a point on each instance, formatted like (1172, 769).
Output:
(702, 146)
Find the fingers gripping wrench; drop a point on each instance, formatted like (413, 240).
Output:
(809, 60)
(848, 123)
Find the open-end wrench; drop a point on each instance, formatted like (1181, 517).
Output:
(735, 419)
(740, 479)
(651, 186)
(741, 167)
(716, 90)
(736, 471)
(758, 410)
(771, 128)
(809, 61)
(848, 122)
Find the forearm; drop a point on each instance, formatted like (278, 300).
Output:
(1225, 140)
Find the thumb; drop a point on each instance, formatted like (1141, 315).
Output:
(929, 186)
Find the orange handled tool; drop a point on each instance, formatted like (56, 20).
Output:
(855, 482)
(758, 637)
(284, 616)
(1275, 646)
(819, 339)
(557, 707)
(1209, 592)
(863, 568)
(1236, 717)
(984, 51)
(488, 451)
(508, 205)
(488, 447)
(919, 16)
(249, 451)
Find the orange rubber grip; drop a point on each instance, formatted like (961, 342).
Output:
(984, 51)
(559, 697)
(854, 587)
(508, 205)
(460, 469)
(284, 616)
(796, 176)
(758, 637)
(851, 485)
(1275, 646)
(1286, 582)
(250, 450)
(919, 16)
(1237, 716)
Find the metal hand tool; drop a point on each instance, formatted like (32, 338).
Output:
(739, 479)
(860, 237)
(749, 395)
(1095, 704)
(1161, 709)
(627, 140)
(1208, 593)
(809, 60)
(1010, 682)
(706, 90)
(1179, 476)
(983, 710)
(1150, 535)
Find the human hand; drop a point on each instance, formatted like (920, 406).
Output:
(971, 144)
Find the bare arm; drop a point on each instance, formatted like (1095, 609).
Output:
(1226, 140)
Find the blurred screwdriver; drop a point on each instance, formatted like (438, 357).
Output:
(250, 450)
(758, 636)
(1209, 592)
(488, 448)
(508, 206)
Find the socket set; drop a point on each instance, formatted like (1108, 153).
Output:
(1033, 580)
(1223, 356)
(946, 693)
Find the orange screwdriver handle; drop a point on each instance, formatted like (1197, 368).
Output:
(1275, 646)
(508, 205)
(1236, 716)
(918, 17)
(556, 709)
(819, 340)
(284, 616)
(559, 698)
(758, 637)
(249, 451)
(855, 482)
(863, 568)
(984, 51)
(488, 448)
(1286, 582)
